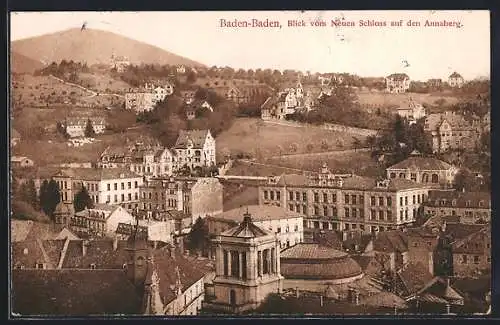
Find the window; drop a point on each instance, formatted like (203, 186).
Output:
(389, 215)
(362, 213)
(116, 198)
(346, 212)
(92, 266)
(278, 195)
(316, 197)
(290, 196)
(401, 201)
(304, 196)
(109, 187)
(129, 185)
(297, 208)
(296, 228)
(414, 200)
(325, 210)
(278, 230)
(406, 200)
(108, 199)
(381, 201)
(406, 214)
(476, 259)
(361, 199)
(130, 196)
(372, 200)
(316, 210)
(413, 177)
(304, 209)
(354, 213)
(272, 195)
(266, 196)
(290, 207)
(115, 186)
(39, 266)
(381, 215)
(135, 184)
(389, 201)
(418, 199)
(346, 199)
(373, 215)
(325, 197)
(353, 199)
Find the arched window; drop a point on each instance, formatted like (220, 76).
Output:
(434, 178)
(393, 175)
(425, 178)
(402, 175)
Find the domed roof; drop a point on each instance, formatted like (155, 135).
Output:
(312, 261)
(63, 208)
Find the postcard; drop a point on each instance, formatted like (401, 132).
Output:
(290, 163)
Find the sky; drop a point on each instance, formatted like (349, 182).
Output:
(423, 52)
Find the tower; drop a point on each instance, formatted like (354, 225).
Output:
(138, 253)
(247, 267)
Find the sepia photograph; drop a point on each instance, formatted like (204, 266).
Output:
(250, 163)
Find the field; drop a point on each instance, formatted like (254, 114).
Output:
(383, 99)
(360, 163)
(41, 91)
(103, 83)
(261, 140)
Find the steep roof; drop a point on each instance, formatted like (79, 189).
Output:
(191, 269)
(22, 230)
(421, 163)
(197, 137)
(455, 75)
(98, 252)
(391, 241)
(472, 243)
(385, 299)
(456, 121)
(413, 277)
(73, 293)
(246, 229)
(258, 212)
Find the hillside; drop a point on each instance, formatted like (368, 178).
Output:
(93, 47)
(22, 64)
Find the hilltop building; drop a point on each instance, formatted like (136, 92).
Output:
(455, 80)
(397, 83)
(411, 111)
(76, 125)
(120, 63)
(195, 149)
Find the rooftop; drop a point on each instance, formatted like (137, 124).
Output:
(197, 137)
(421, 163)
(246, 229)
(97, 174)
(258, 212)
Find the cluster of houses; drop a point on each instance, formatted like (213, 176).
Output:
(145, 98)
(397, 83)
(76, 124)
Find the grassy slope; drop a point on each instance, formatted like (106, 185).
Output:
(262, 140)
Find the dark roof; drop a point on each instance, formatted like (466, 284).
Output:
(385, 299)
(413, 277)
(21, 230)
(196, 136)
(312, 261)
(398, 76)
(258, 212)
(391, 241)
(73, 293)
(128, 229)
(191, 270)
(368, 264)
(455, 75)
(421, 163)
(459, 199)
(472, 244)
(29, 253)
(246, 229)
(327, 238)
(98, 252)
(460, 231)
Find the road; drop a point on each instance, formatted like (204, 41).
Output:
(319, 154)
(92, 92)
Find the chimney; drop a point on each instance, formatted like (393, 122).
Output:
(84, 247)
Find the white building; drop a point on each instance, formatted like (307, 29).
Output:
(140, 101)
(75, 125)
(115, 186)
(397, 83)
(102, 219)
(456, 80)
(412, 111)
(287, 225)
(195, 148)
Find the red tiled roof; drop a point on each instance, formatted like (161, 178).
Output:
(246, 229)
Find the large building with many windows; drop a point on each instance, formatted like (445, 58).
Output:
(114, 186)
(196, 197)
(346, 202)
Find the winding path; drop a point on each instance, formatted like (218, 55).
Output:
(92, 92)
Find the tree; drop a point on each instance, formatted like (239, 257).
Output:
(198, 237)
(371, 140)
(89, 129)
(28, 193)
(356, 144)
(191, 77)
(82, 200)
(50, 197)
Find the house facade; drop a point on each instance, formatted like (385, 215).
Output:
(140, 101)
(455, 80)
(451, 131)
(76, 125)
(114, 186)
(469, 207)
(397, 83)
(411, 111)
(287, 225)
(424, 170)
(346, 202)
(21, 162)
(472, 254)
(195, 149)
